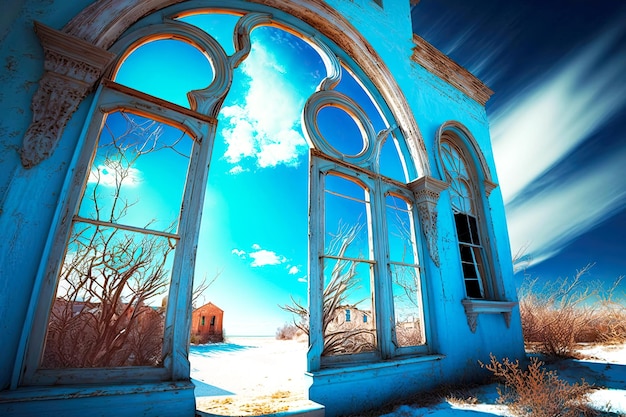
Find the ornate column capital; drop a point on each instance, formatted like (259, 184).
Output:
(72, 67)
(426, 190)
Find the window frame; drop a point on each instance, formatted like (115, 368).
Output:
(486, 282)
(378, 188)
(110, 97)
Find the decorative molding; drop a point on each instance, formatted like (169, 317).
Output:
(72, 67)
(489, 187)
(427, 191)
(475, 307)
(103, 22)
(443, 67)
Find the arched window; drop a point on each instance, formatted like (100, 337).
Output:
(121, 259)
(463, 166)
(465, 206)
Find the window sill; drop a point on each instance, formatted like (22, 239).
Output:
(369, 366)
(42, 392)
(475, 307)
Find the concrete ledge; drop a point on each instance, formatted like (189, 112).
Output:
(162, 399)
(358, 388)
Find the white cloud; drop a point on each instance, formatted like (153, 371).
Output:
(294, 270)
(264, 257)
(109, 175)
(261, 257)
(539, 129)
(550, 219)
(238, 252)
(264, 129)
(237, 169)
(544, 124)
(303, 279)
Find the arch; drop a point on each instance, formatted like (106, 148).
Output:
(101, 24)
(470, 144)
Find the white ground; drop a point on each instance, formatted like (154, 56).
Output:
(254, 376)
(250, 376)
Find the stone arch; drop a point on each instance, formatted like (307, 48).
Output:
(80, 50)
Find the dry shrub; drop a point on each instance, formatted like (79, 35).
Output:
(289, 331)
(560, 314)
(537, 392)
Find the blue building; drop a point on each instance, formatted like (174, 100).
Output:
(95, 300)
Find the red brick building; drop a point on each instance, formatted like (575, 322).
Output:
(206, 324)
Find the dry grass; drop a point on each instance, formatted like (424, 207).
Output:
(276, 402)
(559, 315)
(537, 392)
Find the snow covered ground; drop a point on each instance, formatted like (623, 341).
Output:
(250, 376)
(255, 376)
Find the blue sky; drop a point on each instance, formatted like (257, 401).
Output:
(557, 69)
(560, 154)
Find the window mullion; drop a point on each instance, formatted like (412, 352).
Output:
(383, 296)
(178, 317)
(316, 258)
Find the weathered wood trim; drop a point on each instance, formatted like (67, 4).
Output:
(103, 22)
(437, 63)
(458, 133)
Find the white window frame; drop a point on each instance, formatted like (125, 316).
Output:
(378, 188)
(110, 97)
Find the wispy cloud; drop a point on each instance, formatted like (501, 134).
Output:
(554, 216)
(540, 129)
(293, 270)
(543, 125)
(264, 128)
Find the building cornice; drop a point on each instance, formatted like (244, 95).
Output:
(437, 63)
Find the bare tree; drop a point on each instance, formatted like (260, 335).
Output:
(337, 293)
(113, 271)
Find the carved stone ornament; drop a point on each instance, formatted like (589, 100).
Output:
(427, 190)
(72, 67)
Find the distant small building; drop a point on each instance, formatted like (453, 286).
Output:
(206, 324)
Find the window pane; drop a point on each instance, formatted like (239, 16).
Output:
(462, 227)
(347, 297)
(346, 214)
(469, 270)
(400, 230)
(191, 70)
(347, 140)
(459, 194)
(110, 301)
(353, 89)
(473, 228)
(392, 162)
(472, 287)
(407, 306)
(138, 174)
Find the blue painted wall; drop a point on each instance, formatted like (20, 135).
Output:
(28, 199)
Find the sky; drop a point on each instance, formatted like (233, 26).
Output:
(557, 71)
